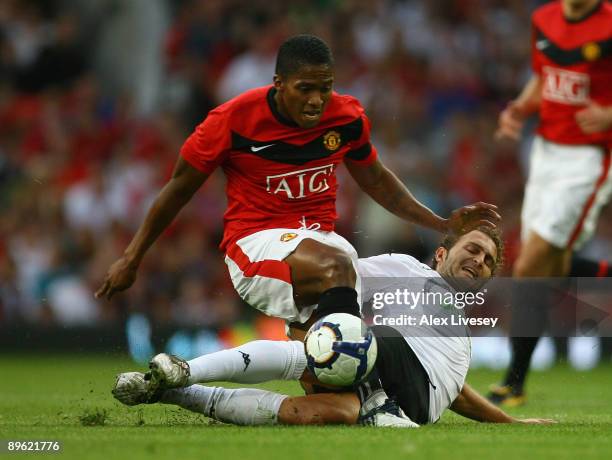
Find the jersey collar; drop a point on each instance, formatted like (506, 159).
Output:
(279, 117)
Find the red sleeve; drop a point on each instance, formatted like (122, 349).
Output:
(362, 152)
(209, 144)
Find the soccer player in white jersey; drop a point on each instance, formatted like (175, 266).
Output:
(422, 370)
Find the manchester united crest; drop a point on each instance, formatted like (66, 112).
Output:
(331, 140)
(287, 237)
(591, 51)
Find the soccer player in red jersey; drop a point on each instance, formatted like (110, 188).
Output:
(279, 147)
(569, 179)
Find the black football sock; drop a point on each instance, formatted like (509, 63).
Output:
(590, 268)
(606, 349)
(522, 350)
(338, 300)
(530, 302)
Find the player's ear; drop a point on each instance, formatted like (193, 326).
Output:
(277, 80)
(440, 255)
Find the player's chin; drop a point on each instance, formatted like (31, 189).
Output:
(468, 283)
(308, 120)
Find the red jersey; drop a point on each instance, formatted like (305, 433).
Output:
(278, 174)
(574, 61)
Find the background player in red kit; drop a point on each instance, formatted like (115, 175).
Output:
(569, 179)
(279, 147)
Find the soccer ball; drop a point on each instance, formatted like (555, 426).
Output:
(340, 349)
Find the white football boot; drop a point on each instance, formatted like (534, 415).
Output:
(133, 388)
(380, 411)
(168, 371)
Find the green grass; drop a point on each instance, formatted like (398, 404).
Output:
(67, 398)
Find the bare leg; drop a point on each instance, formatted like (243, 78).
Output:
(538, 258)
(316, 268)
(320, 409)
(251, 406)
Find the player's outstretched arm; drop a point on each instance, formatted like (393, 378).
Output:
(472, 405)
(512, 118)
(176, 193)
(387, 190)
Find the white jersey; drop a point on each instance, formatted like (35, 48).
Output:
(444, 355)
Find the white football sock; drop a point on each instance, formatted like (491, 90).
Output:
(242, 406)
(253, 362)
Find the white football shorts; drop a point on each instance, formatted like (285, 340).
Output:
(567, 187)
(262, 278)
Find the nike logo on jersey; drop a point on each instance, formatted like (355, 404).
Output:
(257, 149)
(279, 151)
(586, 52)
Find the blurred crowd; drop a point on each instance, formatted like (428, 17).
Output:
(97, 97)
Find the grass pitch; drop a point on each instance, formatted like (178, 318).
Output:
(67, 398)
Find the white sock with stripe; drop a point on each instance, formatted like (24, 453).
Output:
(241, 406)
(253, 362)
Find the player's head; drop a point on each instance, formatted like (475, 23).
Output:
(579, 3)
(303, 79)
(578, 7)
(470, 260)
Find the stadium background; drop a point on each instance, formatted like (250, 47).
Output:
(96, 98)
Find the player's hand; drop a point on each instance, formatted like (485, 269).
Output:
(469, 217)
(594, 118)
(121, 275)
(510, 122)
(535, 421)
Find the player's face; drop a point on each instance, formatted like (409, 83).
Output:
(470, 262)
(578, 6)
(303, 96)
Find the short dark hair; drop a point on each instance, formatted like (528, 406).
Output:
(301, 50)
(451, 239)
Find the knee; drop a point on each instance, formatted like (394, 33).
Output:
(336, 269)
(315, 268)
